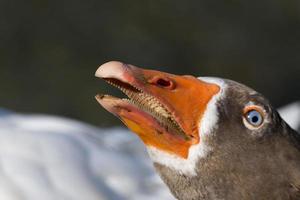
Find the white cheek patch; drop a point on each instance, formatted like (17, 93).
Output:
(208, 122)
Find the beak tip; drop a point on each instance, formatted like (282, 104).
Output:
(99, 97)
(109, 69)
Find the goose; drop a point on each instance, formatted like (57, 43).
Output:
(209, 138)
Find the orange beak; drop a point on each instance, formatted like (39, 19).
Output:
(165, 110)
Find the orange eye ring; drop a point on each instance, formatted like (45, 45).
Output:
(253, 116)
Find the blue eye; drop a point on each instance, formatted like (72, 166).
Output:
(254, 118)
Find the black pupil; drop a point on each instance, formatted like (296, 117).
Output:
(254, 119)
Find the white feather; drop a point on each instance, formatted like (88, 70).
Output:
(208, 122)
(53, 158)
(291, 114)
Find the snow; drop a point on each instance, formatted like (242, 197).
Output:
(54, 158)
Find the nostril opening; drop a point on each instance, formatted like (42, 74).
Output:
(163, 83)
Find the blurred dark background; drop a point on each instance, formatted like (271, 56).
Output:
(51, 49)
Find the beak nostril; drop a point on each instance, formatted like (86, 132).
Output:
(163, 83)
